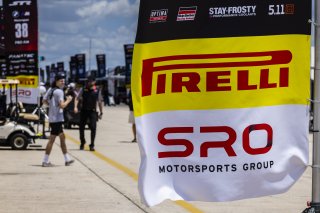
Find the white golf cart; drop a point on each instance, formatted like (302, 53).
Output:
(15, 127)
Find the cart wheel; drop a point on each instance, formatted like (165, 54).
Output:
(19, 141)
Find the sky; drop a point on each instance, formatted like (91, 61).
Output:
(66, 28)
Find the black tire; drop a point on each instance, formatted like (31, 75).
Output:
(19, 141)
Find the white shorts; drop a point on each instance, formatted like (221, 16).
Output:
(131, 117)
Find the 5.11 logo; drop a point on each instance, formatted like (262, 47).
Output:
(281, 9)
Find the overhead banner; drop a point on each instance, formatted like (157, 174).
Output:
(221, 98)
(73, 68)
(81, 66)
(3, 66)
(42, 75)
(53, 72)
(47, 74)
(21, 46)
(60, 66)
(128, 52)
(101, 65)
(2, 32)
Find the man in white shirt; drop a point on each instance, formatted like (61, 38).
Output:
(55, 99)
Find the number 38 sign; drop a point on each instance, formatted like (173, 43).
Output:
(21, 25)
(21, 30)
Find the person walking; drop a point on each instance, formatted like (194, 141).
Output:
(55, 99)
(90, 96)
(42, 91)
(69, 115)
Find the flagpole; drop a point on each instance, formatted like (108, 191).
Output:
(315, 203)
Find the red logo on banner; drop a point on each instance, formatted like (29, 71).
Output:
(249, 59)
(187, 13)
(206, 145)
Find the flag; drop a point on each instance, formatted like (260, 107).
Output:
(128, 52)
(101, 65)
(21, 46)
(73, 68)
(220, 98)
(81, 66)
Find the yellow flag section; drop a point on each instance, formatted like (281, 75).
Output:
(251, 72)
(28, 91)
(26, 81)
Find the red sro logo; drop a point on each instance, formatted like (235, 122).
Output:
(206, 145)
(23, 92)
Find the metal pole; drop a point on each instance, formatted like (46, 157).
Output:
(38, 98)
(315, 204)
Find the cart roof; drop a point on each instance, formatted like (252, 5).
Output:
(9, 81)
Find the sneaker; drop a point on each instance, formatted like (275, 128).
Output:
(47, 164)
(81, 147)
(134, 140)
(68, 163)
(92, 149)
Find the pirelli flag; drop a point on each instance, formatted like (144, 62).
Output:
(220, 92)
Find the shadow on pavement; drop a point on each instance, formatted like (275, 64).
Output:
(127, 142)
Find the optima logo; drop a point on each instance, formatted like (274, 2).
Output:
(158, 15)
(187, 13)
(216, 80)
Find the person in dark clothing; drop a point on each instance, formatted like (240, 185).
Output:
(105, 94)
(131, 117)
(69, 114)
(90, 96)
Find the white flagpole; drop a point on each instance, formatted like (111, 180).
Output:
(315, 203)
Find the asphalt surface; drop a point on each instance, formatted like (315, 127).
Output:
(106, 180)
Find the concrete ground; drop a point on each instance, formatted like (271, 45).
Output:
(106, 180)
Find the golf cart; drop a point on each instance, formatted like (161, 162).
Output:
(16, 128)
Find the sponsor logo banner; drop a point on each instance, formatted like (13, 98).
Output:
(196, 81)
(221, 155)
(2, 32)
(232, 11)
(101, 65)
(27, 89)
(187, 13)
(221, 118)
(172, 20)
(21, 24)
(60, 66)
(21, 45)
(158, 15)
(73, 68)
(128, 53)
(81, 66)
